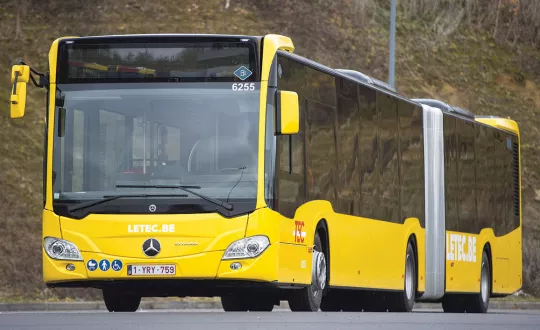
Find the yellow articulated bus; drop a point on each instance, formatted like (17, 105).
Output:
(263, 176)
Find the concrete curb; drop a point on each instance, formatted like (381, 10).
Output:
(206, 305)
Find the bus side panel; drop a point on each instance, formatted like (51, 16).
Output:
(388, 254)
(358, 257)
(500, 250)
(293, 257)
(515, 280)
(464, 257)
(358, 156)
(420, 235)
(463, 260)
(351, 250)
(507, 265)
(347, 242)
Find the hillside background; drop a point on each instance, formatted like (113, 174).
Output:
(483, 55)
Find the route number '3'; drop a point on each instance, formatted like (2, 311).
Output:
(243, 87)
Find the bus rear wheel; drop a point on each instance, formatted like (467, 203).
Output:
(117, 301)
(479, 303)
(472, 303)
(404, 301)
(309, 299)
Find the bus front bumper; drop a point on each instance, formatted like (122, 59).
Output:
(206, 271)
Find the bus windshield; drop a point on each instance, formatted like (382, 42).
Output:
(124, 138)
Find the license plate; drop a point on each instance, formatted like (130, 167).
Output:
(136, 270)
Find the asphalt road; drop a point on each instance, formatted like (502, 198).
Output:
(276, 320)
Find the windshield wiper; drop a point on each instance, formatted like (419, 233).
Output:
(225, 205)
(84, 205)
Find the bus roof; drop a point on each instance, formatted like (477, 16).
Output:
(163, 35)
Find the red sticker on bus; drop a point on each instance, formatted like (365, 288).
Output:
(298, 234)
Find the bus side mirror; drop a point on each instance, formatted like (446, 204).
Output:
(287, 113)
(20, 75)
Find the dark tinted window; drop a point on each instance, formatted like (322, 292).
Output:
(291, 176)
(500, 204)
(85, 61)
(348, 156)
(506, 181)
(411, 161)
(320, 87)
(291, 190)
(389, 160)
(321, 152)
(467, 176)
(368, 143)
(307, 161)
(480, 186)
(451, 182)
(352, 148)
(484, 168)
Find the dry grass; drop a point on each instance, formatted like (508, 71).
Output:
(531, 268)
(508, 21)
(441, 53)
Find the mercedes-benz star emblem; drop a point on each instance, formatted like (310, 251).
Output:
(151, 247)
(152, 208)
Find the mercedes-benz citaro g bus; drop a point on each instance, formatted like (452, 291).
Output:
(227, 166)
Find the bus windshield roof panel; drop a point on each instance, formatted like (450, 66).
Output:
(159, 58)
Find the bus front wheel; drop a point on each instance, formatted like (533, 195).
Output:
(117, 301)
(309, 299)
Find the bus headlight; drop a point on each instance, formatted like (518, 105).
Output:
(61, 249)
(249, 247)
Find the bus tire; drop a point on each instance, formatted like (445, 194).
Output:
(479, 303)
(404, 301)
(116, 301)
(234, 304)
(309, 299)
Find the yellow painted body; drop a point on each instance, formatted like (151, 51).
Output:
(464, 275)
(363, 252)
(287, 260)
(289, 112)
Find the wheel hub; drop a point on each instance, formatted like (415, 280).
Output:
(318, 274)
(409, 278)
(484, 285)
